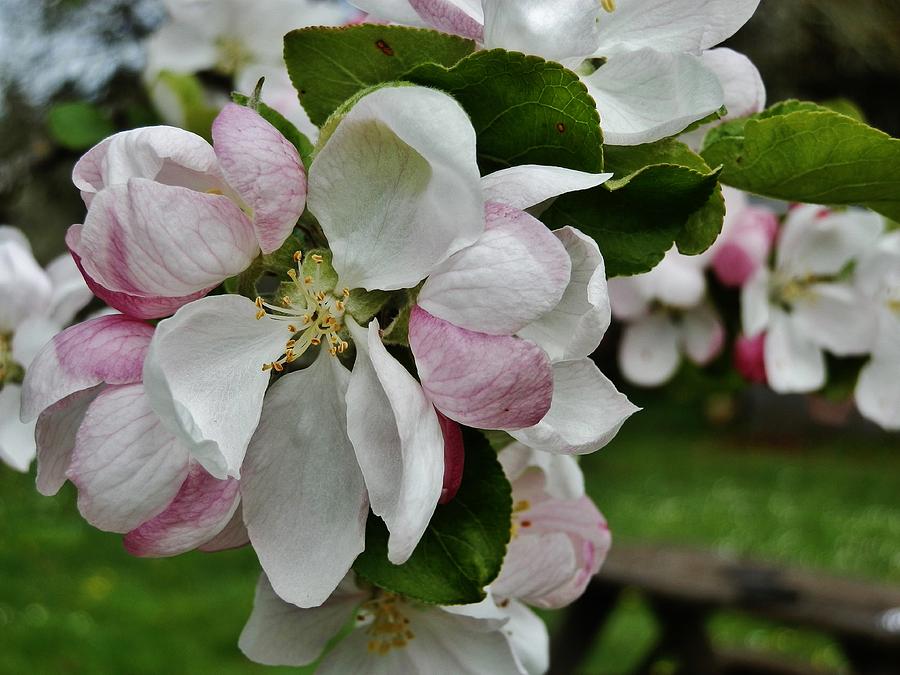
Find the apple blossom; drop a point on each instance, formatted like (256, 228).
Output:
(238, 39)
(878, 278)
(647, 63)
(390, 634)
(666, 314)
(37, 304)
(808, 303)
(95, 428)
(748, 235)
(170, 217)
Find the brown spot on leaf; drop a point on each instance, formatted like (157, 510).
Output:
(385, 48)
(560, 127)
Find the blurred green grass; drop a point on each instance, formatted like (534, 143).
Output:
(72, 600)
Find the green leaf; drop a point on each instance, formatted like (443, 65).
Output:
(78, 125)
(329, 65)
(194, 106)
(283, 124)
(525, 110)
(462, 549)
(662, 193)
(805, 153)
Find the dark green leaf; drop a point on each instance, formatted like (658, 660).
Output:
(329, 65)
(525, 110)
(462, 549)
(79, 125)
(803, 152)
(661, 193)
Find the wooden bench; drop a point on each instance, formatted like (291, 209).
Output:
(684, 588)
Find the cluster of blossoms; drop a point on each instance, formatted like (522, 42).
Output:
(821, 281)
(283, 419)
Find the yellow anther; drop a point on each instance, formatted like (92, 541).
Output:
(340, 305)
(292, 328)
(214, 191)
(292, 273)
(259, 302)
(521, 505)
(267, 367)
(306, 319)
(608, 5)
(333, 351)
(286, 301)
(260, 314)
(298, 256)
(277, 366)
(317, 258)
(290, 344)
(307, 279)
(315, 342)
(346, 292)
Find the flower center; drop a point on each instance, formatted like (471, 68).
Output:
(313, 316)
(388, 628)
(7, 365)
(519, 509)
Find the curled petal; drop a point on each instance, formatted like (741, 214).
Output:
(108, 349)
(126, 465)
(482, 381)
(745, 93)
(454, 458)
(513, 275)
(396, 187)
(265, 169)
(55, 436)
(202, 508)
(528, 185)
(148, 239)
(586, 413)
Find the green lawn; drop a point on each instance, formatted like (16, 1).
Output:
(72, 600)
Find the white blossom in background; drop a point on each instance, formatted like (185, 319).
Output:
(649, 64)
(242, 40)
(809, 302)
(666, 315)
(746, 241)
(37, 304)
(878, 279)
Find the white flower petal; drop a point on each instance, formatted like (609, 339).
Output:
(794, 363)
(17, 447)
(396, 188)
(836, 318)
(878, 392)
(304, 496)
(398, 441)
(562, 476)
(575, 327)
(745, 92)
(647, 95)
(204, 376)
(649, 351)
(755, 310)
(586, 412)
(24, 286)
(703, 334)
(528, 637)
(531, 184)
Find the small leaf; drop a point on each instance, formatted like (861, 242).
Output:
(465, 543)
(329, 65)
(661, 193)
(806, 153)
(525, 110)
(78, 125)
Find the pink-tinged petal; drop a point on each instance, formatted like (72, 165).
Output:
(204, 376)
(836, 317)
(745, 244)
(202, 508)
(514, 274)
(281, 634)
(536, 566)
(16, 438)
(529, 185)
(482, 381)
(454, 458)
(389, 11)
(233, 535)
(449, 18)
(575, 327)
(703, 335)
(108, 349)
(126, 465)
(649, 353)
(586, 413)
(148, 239)
(135, 306)
(25, 287)
(55, 435)
(794, 363)
(745, 93)
(749, 358)
(396, 187)
(304, 496)
(265, 169)
(167, 155)
(398, 442)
